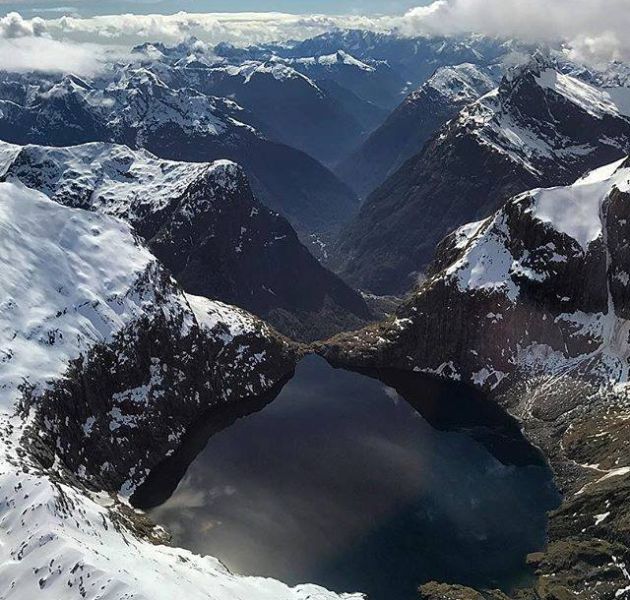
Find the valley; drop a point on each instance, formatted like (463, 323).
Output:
(343, 317)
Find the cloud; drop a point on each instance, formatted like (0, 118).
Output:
(25, 45)
(13, 25)
(592, 30)
(237, 28)
(26, 54)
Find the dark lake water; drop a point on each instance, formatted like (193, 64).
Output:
(356, 485)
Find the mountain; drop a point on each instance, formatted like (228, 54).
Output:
(105, 362)
(203, 223)
(133, 106)
(288, 105)
(372, 81)
(531, 305)
(407, 129)
(413, 59)
(303, 103)
(538, 128)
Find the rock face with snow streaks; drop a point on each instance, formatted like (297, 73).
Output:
(538, 127)
(135, 107)
(531, 305)
(410, 126)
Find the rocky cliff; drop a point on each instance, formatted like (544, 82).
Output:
(531, 306)
(202, 221)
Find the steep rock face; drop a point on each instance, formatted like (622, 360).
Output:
(94, 327)
(538, 128)
(104, 362)
(408, 128)
(531, 305)
(133, 106)
(203, 223)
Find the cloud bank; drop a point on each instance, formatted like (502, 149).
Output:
(26, 45)
(592, 30)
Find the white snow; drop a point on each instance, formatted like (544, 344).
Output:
(277, 70)
(228, 322)
(337, 58)
(110, 178)
(575, 210)
(67, 278)
(599, 519)
(595, 101)
(486, 264)
(495, 123)
(461, 83)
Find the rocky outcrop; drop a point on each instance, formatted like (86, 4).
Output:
(203, 223)
(530, 305)
(539, 128)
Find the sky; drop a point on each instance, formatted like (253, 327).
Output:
(46, 8)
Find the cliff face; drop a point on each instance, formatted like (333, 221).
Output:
(413, 123)
(133, 106)
(531, 305)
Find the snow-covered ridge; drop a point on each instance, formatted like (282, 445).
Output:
(488, 261)
(110, 178)
(598, 102)
(526, 135)
(277, 69)
(460, 83)
(69, 282)
(337, 58)
(576, 210)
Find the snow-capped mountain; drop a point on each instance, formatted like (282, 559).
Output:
(105, 362)
(408, 128)
(135, 107)
(372, 81)
(532, 305)
(413, 59)
(304, 103)
(539, 127)
(369, 80)
(203, 223)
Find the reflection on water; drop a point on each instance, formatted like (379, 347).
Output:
(342, 482)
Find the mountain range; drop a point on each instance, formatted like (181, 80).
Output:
(180, 229)
(539, 127)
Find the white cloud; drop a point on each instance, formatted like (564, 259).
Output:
(13, 25)
(25, 54)
(592, 29)
(25, 45)
(237, 28)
